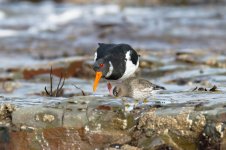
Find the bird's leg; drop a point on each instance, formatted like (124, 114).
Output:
(109, 87)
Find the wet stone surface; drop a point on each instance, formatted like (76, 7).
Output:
(180, 48)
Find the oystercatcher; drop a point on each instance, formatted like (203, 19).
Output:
(114, 62)
(135, 88)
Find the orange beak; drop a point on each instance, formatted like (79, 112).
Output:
(96, 81)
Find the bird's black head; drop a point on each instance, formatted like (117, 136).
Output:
(101, 65)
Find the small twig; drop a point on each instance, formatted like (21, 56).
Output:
(83, 93)
(51, 82)
(57, 90)
(59, 86)
(62, 84)
(47, 91)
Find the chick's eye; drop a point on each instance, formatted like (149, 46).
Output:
(101, 65)
(115, 92)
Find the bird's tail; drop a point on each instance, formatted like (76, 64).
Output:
(157, 87)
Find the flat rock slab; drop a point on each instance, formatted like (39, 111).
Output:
(38, 116)
(73, 112)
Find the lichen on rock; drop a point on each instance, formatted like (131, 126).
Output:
(44, 117)
(6, 112)
(179, 129)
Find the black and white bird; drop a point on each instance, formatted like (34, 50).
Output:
(136, 88)
(114, 62)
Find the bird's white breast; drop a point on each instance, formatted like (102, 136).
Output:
(130, 67)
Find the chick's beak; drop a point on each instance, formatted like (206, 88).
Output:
(97, 79)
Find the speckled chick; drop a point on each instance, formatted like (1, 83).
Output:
(136, 88)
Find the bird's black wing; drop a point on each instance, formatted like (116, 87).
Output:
(118, 63)
(116, 49)
(124, 48)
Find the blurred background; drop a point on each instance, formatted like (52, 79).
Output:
(50, 29)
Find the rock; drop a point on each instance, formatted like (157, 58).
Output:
(178, 127)
(97, 112)
(201, 58)
(211, 136)
(128, 147)
(75, 113)
(223, 141)
(109, 137)
(70, 66)
(107, 115)
(66, 138)
(123, 147)
(150, 62)
(6, 111)
(38, 116)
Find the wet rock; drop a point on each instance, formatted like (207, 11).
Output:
(199, 89)
(179, 128)
(107, 115)
(53, 138)
(190, 56)
(220, 116)
(10, 86)
(217, 61)
(68, 67)
(4, 135)
(213, 89)
(179, 81)
(123, 147)
(201, 58)
(98, 112)
(210, 138)
(66, 138)
(128, 147)
(223, 141)
(150, 62)
(79, 108)
(115, 137)
(38, 116)
(6, 111)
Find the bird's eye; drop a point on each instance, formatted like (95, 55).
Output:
(115, 92)
(101, 65)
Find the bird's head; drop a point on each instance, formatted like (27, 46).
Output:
(101, 67)
(120, 91)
